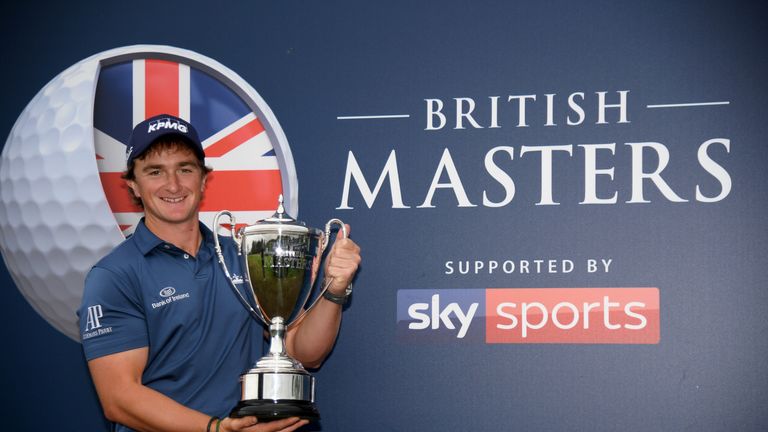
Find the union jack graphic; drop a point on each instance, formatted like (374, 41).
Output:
(246, 178)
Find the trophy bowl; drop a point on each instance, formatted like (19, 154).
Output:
(277, 254)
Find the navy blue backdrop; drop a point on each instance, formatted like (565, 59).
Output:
(314, 62)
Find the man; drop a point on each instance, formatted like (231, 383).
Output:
(164, 335)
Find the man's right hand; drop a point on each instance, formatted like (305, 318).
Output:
(127, 401)
(252, 424)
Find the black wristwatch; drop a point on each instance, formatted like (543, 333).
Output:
(338, 299)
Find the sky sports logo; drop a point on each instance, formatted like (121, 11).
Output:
(530, 315)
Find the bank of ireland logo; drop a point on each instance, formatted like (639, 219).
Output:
(62, 203)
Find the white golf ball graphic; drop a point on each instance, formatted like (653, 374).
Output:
(55, 220)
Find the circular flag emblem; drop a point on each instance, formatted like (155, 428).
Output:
(64, 205)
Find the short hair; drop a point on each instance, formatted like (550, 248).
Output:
(171, 143)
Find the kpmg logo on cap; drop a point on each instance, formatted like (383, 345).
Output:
(167, 124)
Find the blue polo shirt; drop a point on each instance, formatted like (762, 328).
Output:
(149, 293)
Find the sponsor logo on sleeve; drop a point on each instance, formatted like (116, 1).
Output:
(93, 325)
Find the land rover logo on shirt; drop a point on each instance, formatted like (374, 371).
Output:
(167, 291)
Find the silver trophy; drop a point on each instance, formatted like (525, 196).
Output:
(277, 254)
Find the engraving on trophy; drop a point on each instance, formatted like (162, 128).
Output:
(278, 266)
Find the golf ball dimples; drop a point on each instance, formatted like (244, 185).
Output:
(55, 222)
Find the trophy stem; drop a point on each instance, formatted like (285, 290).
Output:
(277, 337)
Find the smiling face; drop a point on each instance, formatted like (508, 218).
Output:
(169, 181)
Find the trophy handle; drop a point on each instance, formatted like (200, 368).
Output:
(238, 239)
(323, 245)
(342, 226)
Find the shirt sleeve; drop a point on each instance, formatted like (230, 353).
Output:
(111, 315)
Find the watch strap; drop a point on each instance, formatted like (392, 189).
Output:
(338, 299)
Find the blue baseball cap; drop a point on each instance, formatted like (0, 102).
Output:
(153, 128)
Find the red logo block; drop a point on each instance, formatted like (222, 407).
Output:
(572, 315)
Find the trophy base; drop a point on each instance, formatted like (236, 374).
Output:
(276, 410)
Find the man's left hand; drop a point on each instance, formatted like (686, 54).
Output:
(342, 262)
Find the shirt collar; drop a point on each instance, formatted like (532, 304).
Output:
(146, 240)
(207, 236)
